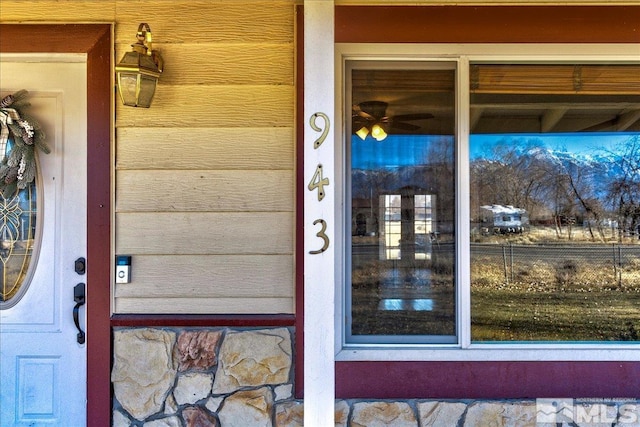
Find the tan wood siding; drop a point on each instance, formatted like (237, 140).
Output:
(202, 191)
(176, 233)
(224, 276)
(204, 179)
(208, 21)
(223, 63)
(204, 148)
(203, 305)
(216, 106)
(56, 11)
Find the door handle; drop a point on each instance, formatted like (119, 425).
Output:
(79, 298)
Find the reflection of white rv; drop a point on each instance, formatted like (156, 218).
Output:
(504, 219)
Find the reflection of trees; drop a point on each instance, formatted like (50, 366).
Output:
(440, 176)
(624, 190)
(560, 189)
(433, 175)
(511, 178)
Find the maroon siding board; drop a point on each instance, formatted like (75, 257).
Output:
(487, 24)
(486, 380)
(197, 320)
(95, 41)
(299, 219)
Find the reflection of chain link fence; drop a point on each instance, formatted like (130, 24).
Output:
(604, 265)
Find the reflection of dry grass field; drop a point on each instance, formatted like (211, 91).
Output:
(547, 290)
(567, 298)
(536, 312)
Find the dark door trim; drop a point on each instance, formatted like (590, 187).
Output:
(95, 41)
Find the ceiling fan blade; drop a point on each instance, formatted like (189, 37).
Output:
(404, 126)
(414, 116)
(375, 109)
(365, 115)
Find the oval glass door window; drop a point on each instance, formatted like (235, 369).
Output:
(18, 243)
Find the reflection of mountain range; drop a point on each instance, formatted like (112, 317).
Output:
(596, 171)
(430, 178)
(602, 165)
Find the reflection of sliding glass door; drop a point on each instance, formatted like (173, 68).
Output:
(407, 231)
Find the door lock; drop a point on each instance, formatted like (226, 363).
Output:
(79, 298)
(81, 266)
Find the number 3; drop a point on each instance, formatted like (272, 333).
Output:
(321, 234)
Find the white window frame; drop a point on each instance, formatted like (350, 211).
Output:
(464, 350)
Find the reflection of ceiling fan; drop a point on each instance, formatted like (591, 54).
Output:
(370, 117)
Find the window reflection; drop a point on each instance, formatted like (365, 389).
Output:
(555, 203)
(402, 209)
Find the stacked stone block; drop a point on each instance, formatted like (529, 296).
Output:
(220, 377)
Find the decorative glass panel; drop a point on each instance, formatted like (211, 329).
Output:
(17, 238)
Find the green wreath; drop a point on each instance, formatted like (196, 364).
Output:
(19, 135)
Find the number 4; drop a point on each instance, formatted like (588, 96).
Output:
(318, 182)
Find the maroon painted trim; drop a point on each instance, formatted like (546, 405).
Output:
(197, 320)
(99, 92)
(299, 233)
(487, 24)
(486, 380)
(95, 41)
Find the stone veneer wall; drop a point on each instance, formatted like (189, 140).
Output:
(220, 377)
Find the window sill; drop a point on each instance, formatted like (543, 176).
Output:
(495, 352)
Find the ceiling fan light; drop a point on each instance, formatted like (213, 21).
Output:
(362, 132)
(378, 132)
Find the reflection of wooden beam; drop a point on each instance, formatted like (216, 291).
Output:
(551, 118)
(627, 119)
(474, 118)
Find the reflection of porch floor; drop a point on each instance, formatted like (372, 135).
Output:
(399, 304)
(406, 289)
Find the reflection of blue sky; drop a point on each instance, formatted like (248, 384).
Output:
(578, 143)
(394, 152)
(406, 150)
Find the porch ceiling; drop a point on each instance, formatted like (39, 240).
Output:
(512, 99)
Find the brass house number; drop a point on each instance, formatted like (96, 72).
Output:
(318, 181)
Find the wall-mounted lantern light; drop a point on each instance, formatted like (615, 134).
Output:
(138, 71)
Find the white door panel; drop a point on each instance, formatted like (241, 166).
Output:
(43, 367)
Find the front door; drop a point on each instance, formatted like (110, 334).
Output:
(42, 356)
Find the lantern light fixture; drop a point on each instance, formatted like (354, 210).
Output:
(138, 71)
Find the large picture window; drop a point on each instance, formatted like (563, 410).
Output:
(555, 202)
(490, 202)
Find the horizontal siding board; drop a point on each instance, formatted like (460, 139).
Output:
(215, 64)
(210, 276)
(204, 148)
(47, 11)
(210, 20)
(199, 191)
(204, 305)
(213, 106)
(204, 233)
